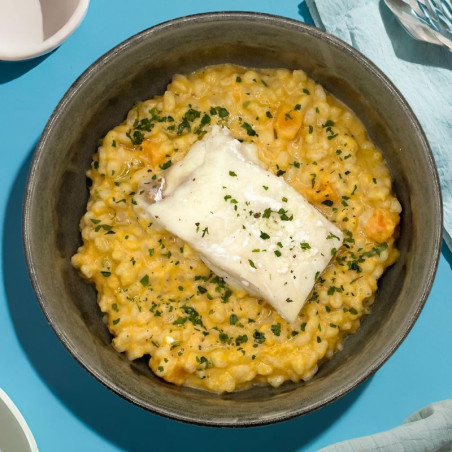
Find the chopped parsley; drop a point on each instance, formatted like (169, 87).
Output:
(259, 337)
(166, 165)
(249, 130)
(276, 329)
(193, 315)
(241, 339)
(105, 227)
(184, 125)
(191, 114)
(136, 138)
(333, 289)
(313, 177)
(205, 120)
(376, 250)
(220, 111)
(283, 215)
(267, 213)
(202, 289)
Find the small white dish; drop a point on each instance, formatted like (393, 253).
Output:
(15, 435)
(30, 28)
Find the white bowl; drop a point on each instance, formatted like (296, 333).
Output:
(30, 28)
(15, 435)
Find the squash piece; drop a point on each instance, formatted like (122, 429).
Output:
(154, 152)
(288, 122)
(320, 192)
(381, 225)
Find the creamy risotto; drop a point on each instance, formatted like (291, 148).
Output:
(160, 299)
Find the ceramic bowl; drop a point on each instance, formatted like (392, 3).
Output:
(141, 67)
(46, 24)
(15, 435)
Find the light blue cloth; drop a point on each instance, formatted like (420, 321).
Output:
(427, 430)
(421, 71)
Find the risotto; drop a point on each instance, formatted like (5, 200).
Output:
(161, 300)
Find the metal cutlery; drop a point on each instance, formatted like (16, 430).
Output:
(425, 20)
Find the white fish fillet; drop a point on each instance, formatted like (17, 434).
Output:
(248, 225)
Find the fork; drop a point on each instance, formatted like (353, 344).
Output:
(417, 20)
(435, 13)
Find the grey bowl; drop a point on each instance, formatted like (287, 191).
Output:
(142, 66)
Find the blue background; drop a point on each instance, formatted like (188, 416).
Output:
(67, 409)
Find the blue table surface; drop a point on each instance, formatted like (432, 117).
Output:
(66, 408)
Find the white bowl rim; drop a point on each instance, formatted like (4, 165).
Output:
(20, 420)
(53, 41)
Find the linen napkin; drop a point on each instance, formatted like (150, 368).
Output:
(429, 429)
(421, 71)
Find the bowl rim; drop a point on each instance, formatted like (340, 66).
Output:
(278, 21)
(19, 419)
(52, 42)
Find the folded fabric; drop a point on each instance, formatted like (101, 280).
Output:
(421, 71)
(429, 429)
